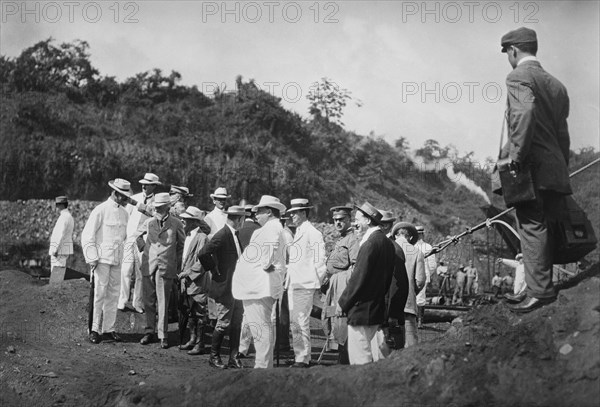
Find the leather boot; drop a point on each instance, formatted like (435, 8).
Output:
(191, 343)
(235, 332)
(215, 350)
(199, 345)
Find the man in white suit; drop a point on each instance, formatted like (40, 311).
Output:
(132, 257)
(306, 270)
(258, 277)
(61, 241)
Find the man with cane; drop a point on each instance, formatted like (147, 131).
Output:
(102, 242)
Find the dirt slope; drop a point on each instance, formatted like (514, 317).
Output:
(490, 357)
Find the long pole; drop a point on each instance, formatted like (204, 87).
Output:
(454, 239)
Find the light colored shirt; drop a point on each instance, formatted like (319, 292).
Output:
(216, 219)
(61, 240)
(238, 248)
(136, 217)
(429, 261)
(366, 236)
(188, 243)
(306, 268)
(527, 58)
(104, 233)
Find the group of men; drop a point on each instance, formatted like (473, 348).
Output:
(236, 262)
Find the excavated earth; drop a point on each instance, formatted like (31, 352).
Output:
(550, 357)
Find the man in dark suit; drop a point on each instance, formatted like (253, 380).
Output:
(220, 256)
(538, 139)
(249, 226)
(363, 299)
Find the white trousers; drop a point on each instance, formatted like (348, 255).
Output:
(258, 321)
(131, 263)
(520, 284)
(421, 297)
(246, 337)
(300, 303)
(58, 261)
(411, 335)
(360, 340)
(107, 279)
(379, 348)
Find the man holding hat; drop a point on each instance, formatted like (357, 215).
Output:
(195, 280)
(406, 236)
(258, 277)
(306, 270)
(363, 300)
(217, 218)
(430, 265)
(220, 256)
(161, 260)
(102, 241)
(339, 267)
(133, 257)
(61, 240)
(538, 141)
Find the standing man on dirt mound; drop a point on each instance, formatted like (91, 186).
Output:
(102, 241)
(363, 300)
(61, 241)
(538, 140)
(133, 257)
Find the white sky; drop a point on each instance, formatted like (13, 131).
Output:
(397, 57)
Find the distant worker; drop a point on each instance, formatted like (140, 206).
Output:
(538, 141)
(519, 286)
(61, 241)
(430, 266)
(496, 284)
(102, 241)
(461, 277)
(472, 279)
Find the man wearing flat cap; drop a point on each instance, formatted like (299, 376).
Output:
(258, 277)
(133, 257)
(220, 256)
(102, 242)
(339, 264)
(306, 270)
(406, 236)
(363, 300)
(195, 279)
(161, 261)
(61, 241)
(538, 141)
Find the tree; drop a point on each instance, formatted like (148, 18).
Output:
(432, 151)
(328, 100)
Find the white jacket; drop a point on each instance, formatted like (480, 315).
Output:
(216, 219)
(267, 248)
(61, 240)
(430, 263)
(104, 233)
(306, 267)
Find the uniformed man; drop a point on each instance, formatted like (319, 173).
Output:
(339, 267)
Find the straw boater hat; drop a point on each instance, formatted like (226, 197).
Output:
(519, 256)
(341, 211)
(162, 199)
(221, 193)
(185, 191)
(299, 204)
(236, 210)
(249, 209)
(412, 231)
(387, 216)
(268, 201)
(420, 229)
(150, 179)
(371, 212)
(192, 212)
(121, 185)
(61, 199)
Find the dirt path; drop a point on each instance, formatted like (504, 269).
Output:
(549, 357)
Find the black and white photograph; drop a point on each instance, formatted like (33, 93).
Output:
(299, 203)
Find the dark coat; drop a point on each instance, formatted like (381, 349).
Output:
(219, 256)
(363, 299)
(538, 136)
(246, 232)
(398, 294)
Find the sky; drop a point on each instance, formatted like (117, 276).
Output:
(421, 70)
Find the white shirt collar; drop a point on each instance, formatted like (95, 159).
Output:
(527, 58)
(368, 233)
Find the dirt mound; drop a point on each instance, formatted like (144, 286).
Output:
(489, 357)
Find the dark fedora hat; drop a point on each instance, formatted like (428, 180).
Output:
(371, 212)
